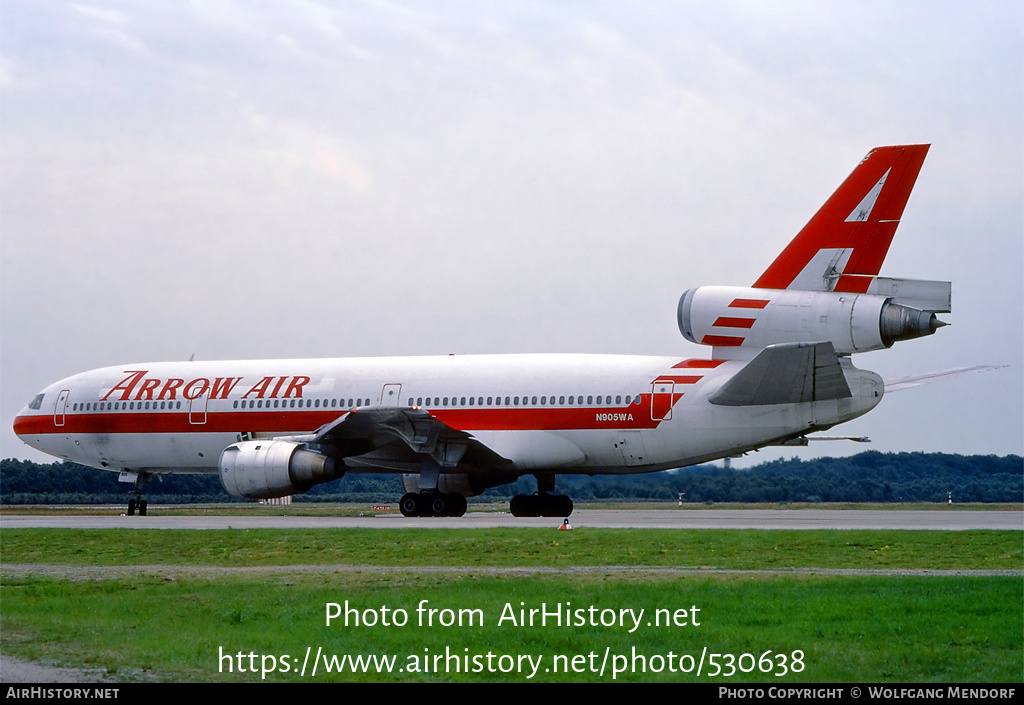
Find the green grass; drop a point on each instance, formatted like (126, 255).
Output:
(717, 548)
(171, 624)
(849, 629)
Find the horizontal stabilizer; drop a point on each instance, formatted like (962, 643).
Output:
(790, 373)
(895, 384)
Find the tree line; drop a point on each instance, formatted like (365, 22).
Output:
(866, 477)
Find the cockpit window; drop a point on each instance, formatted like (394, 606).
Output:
(37, 402)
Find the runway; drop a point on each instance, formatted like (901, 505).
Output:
(685, 518)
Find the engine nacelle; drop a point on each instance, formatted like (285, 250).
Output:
(458, 483)
(738, 316)
(266, 469)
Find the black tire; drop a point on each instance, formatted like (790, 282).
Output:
(564, 505)
(440, 504)
(142, 508)
(526, 505)
(457, 506)
(410, 504)
(131, 507)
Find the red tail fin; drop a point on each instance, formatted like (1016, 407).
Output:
(844, 244)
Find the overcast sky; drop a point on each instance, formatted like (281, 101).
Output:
(297, 179)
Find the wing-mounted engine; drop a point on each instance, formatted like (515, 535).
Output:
(266, 469)
(728, 317)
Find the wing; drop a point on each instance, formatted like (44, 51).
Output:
(895, 384)
(400, 439)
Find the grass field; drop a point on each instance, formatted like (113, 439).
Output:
(204, 597)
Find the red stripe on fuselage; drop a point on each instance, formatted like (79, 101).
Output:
(680, 379)
(697, 364)
(488, 419)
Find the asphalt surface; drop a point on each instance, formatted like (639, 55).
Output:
(684, 518)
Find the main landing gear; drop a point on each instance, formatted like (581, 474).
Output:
(432, 504)
(540, 504)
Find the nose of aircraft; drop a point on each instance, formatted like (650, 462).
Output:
(22, 422)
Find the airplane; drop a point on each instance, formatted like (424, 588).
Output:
(453, 426)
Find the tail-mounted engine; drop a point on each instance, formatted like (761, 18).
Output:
(748, 317)
(266, 469)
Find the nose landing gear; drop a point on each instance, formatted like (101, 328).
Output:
(140, 479)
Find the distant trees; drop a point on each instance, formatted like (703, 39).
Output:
(867, 477)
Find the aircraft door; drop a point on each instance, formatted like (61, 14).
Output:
(661, 399)
(197, 409)
(60, 407)
(390, 395)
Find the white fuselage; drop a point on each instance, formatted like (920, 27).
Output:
(554, 413)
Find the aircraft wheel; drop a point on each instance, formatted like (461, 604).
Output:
(410, 504)
(525, 505)
(565, 505)
(457, 505)
(131, 507)
(142, 508)
(440, 504)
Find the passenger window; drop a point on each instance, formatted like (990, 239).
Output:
(471, 401)
(462, 401)
(590, 399)
(570, 400)
(533, 401)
